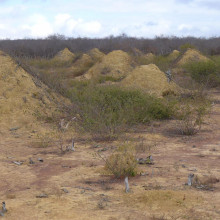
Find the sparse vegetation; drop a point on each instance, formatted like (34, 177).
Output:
(37, 126)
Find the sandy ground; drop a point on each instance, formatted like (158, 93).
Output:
(160, 193)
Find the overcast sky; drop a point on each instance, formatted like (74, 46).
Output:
(100, 18)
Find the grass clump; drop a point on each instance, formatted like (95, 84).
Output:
(204, 72)
(107, 110)
(191, 118)
(122, 163)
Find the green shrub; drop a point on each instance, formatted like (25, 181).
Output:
(163, 62)
(122, 163)
(204, 72)
(191, 118)
(106, 110)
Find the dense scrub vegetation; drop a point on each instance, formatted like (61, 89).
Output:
(159, 45)
(107, 110)
(205, 72)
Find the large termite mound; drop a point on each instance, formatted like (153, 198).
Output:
(150, 79)
(23, 98)
(115, 64)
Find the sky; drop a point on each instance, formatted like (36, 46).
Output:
(101, 18)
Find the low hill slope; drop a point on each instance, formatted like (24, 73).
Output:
(149, 78)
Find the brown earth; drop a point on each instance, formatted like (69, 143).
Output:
(159, 193)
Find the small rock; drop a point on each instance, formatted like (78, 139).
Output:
(183, 166)
(14, 129)
(65, 166)
(31, 161)
(190, 179)
(17, 163)
(103, 149)
(192, 169)
(42, 195)
(148, 160)
(194, 146)
(144, 174)
(65, 190)
(4, 207)
(40, 159)
(96, 146)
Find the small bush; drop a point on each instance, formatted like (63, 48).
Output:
(204, 72)
(191, 119)
(163, 62)
(122, 163)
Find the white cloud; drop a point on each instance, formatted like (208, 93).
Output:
(38, 26)
(100, 18)
(66, 24)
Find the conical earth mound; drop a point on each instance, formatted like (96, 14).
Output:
(96, 54)
(22, 97)
(64, 55)
(191, 55)
(174, 55)
(149, 78)
(116, 64)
